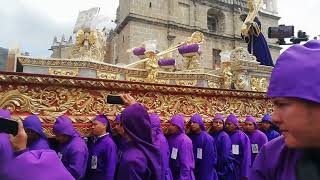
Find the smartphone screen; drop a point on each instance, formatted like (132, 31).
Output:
(8, 126)
(114, 99)
(281, 32)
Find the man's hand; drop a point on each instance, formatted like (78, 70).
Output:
(127, 99)
(19, 142)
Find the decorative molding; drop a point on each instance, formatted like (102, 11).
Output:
(186, 82)
(83, 98)
(63, 71)
(106, 75)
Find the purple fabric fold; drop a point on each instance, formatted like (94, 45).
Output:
(166, 62)
(188, 49)
(295, 72)
(139, 51)
(136, 122)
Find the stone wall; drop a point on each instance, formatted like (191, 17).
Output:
(172, 21)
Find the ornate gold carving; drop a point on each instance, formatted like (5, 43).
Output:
(186, 82)
(82, 99)
(152, 66)
(191, 62)
(90, 45)
(196, 38)
(214, 84)
(241, 54)
(134, 79)
(106, 75)
(241, 81)
(227, 75)
(163, 81)
(259, 84)
(63, 72)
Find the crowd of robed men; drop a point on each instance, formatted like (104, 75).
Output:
(225, 152)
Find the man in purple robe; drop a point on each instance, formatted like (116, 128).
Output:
(205, 153)
(140, 160)
(35, 165)
(268, 128)
(6, 151)
(72, 151)
(118, 140)
(102, 151)
(115, 132)
(36, 137)
(225, 167)
(181, 156)
(294, 90)
(257, 138)
(240, 147)
(161, 142)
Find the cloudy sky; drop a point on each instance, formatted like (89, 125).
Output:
(32, 24)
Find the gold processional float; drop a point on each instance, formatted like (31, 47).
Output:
(78, 86)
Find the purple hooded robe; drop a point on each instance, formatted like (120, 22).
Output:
(33, 122)
(241, 149)
(271, 133)
(205, 153)
(161, 142)
(225, 167)
(181, 158)
(140, 160)
(275, 161)
(37, 165)
(294, 76)
(6, 151)
(102, 154)
(44, 162)
(257, 138)
(73, 154)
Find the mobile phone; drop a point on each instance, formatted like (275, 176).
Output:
(114, 99)
(281, 31)
(8, 126)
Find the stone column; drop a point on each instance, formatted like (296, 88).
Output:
(12, 59)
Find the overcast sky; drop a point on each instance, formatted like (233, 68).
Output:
(32, 24)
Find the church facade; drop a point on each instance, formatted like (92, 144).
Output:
(172, 21)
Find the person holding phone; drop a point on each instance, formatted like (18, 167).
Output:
(140, 158)
(73, 150)
(22, 163)
(6, 150)
(36, 137)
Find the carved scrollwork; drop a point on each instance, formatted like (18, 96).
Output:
(241, 54)
(259, 84)
(50, 97)
(106, 75)
(241, 81)
(186, 82)
(63, 71)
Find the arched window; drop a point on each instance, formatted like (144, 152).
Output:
(212, 23)
(215, 20)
